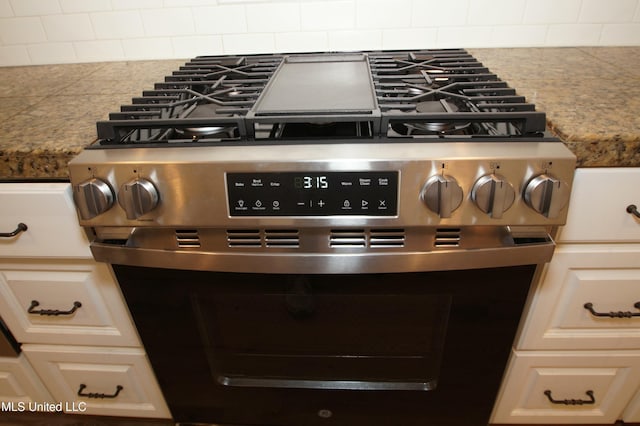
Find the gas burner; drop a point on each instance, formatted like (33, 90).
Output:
(207, 111)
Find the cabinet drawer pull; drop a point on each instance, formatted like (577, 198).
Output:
(591, 400)
(620, 314)
(632, 209)
(21, 228)
(96, 394)
(52, 312)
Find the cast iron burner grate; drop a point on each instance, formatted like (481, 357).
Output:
(370, 96)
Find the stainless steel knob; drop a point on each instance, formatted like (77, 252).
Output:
(493, 194)
(138, 197)
(92, 197)
(547, 195)
(442, 194)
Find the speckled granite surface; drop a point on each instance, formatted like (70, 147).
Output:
(591, 97)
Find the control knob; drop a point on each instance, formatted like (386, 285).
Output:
(442, 194)
(546, 195)
(138, 197)
(493, 194)
(92, 197)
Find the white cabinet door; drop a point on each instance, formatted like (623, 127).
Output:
(597, 211)
(20, 388)
(603, 275)
(567, 387)
(78, 302)
(100, 381)
(49, 213)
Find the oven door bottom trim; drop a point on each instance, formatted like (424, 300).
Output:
(325, 384)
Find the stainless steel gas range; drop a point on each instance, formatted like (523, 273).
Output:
(327, 238)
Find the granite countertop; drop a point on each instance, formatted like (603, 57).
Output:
(591, 97)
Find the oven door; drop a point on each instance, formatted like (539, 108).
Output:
(372, 349)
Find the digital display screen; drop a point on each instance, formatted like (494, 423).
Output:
(313, 194)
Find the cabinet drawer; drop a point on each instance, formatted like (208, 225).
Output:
(567, 387)
(606, 277)
(20, 388)
(49, 213)
(597, 211)
(77, 302)
(100, 381)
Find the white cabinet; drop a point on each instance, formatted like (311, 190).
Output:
(64, 302)
(99, 380)
(577, 357)
(52, 226)
(563, 387)
(67, 312)
(20, 387)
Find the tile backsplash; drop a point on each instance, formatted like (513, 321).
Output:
(63, 31)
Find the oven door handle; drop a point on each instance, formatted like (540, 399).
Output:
(527, 251)
(260, 382)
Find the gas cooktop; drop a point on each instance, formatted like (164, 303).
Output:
(360, 96)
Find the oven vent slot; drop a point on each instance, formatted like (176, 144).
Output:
(347, 238)
(244, 238)
(386, 238)
(282, 238)
(447, 237)
(187, 238)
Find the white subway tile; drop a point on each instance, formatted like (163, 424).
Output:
(355, 40)
(99, 50)
(52, 53)
(621, 34)
(168, 22)
(273, 17)
(496, 12)
(148, 48)
(188, 47)
(327, 15)
(117, 25)
(436, 13)
(183, 3)
(249, 43)
(603, 11)
(552, 11)
(411, 38)
(135, 4)
(383, 14)
(35, 7)
(519, 35)
(5, 9)
(220, 20)
(21, 31)
(574, 34)
(14, 55)
(78, 6)
(302, 42)
(71, 27)
(464, 36)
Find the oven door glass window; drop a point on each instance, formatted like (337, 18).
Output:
(322, 332)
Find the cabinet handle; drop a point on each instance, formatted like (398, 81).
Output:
(620, 314)
(21, 228)
(96, 394)
(591, 400)
(632, 209)
(52, 312)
